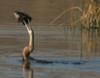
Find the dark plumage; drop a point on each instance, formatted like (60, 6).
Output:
(23, 17)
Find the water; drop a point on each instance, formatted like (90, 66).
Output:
(50, 46)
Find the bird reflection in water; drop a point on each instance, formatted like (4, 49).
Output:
(27, 70)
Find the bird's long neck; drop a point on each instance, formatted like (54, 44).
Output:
(31, 39)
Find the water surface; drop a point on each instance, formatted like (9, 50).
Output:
(50, 45)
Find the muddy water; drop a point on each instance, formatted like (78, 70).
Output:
(52, 45)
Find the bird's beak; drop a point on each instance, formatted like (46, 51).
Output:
(16, 15)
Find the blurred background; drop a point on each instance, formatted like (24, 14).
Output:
(42, 11)
(65, 30)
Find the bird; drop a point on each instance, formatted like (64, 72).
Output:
(30, 47)
(25, 20)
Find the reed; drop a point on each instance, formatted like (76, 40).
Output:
(88, 19)
(90, 22)
(91, 16)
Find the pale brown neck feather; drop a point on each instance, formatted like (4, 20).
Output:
(31, 39)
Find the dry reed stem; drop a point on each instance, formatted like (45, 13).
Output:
(65, 11)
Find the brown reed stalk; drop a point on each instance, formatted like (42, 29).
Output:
(90, 21)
